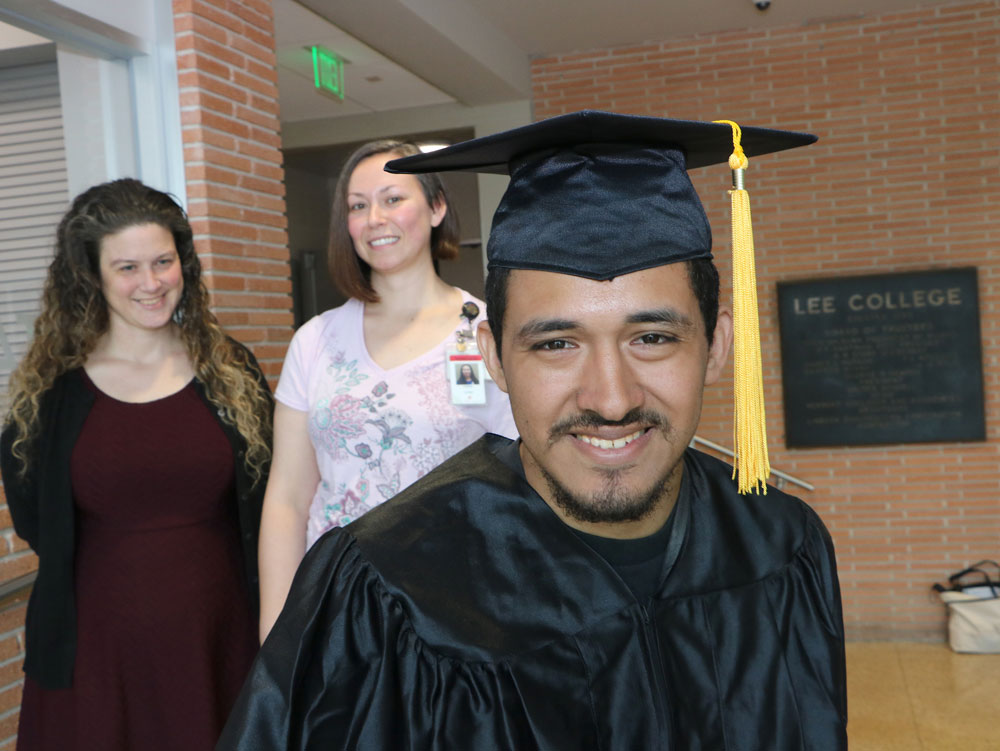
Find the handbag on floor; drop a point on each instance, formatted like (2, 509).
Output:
(972, 597)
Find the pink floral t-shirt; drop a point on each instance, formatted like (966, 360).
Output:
(376, 431)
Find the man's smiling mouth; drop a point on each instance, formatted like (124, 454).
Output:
(605, 443)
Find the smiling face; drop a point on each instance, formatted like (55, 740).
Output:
(605, 382)
(140, 277)
(388, 216)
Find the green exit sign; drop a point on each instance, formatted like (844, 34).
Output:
(328, 72)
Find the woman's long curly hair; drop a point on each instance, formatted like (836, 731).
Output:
(75, 315)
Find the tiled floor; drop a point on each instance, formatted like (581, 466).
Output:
(921, 697)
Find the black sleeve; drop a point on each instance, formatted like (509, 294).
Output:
(829, 582)
(21, 490)
(316, 675)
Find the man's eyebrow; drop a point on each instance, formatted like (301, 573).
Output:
(667, 316)
(540, 326)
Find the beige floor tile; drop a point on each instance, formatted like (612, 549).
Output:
(955, 698)
(880, 715)
(921, 697)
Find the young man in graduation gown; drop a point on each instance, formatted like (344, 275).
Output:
(597, 584)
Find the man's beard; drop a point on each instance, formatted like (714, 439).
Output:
(613, 502)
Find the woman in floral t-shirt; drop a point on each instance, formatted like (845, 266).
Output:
(364, 402)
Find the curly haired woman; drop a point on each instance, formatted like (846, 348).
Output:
(134, 459)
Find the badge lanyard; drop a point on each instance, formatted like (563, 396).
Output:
(464, 364)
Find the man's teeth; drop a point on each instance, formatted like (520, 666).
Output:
(617, 443)
(384, 241)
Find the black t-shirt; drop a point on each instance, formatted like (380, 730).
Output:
(640, 562)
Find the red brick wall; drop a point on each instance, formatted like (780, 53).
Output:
(11, 664)
(236, 197)
(227, 77)
(903, 178)
(15, 560)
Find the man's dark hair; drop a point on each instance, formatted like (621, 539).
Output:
(705, 283)
(496, 302)
(701, 271)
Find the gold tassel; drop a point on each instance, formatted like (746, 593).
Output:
(749, 431)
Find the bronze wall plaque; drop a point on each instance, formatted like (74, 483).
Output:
(888, 358)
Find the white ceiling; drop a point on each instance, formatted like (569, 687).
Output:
(372, 79)
(412, 53)
(13, 37)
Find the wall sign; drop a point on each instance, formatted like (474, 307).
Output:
(888, 358)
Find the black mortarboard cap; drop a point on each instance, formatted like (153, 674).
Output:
(598, 194)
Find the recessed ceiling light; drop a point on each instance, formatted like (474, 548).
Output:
(429, 146)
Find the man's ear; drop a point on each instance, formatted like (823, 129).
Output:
(491, 358)
(718, 350)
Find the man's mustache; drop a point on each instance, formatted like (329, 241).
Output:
(574, 423)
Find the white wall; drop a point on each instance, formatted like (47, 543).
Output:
(118, 83)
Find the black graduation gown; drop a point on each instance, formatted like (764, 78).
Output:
(464, 614)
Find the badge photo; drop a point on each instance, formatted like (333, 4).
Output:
(467, 377)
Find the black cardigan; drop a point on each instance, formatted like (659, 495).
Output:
(41, 505)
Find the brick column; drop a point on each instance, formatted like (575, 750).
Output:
(229, 114)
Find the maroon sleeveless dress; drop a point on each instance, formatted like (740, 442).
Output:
(165, 630)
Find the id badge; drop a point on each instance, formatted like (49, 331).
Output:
(466, 374)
